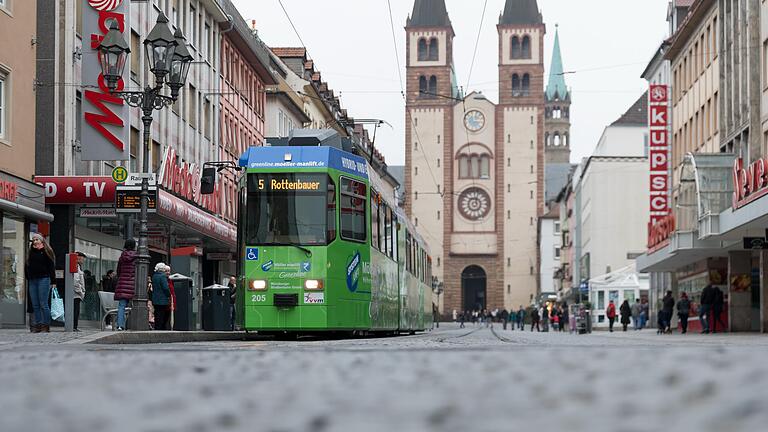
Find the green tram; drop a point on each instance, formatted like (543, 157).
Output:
(322, 250)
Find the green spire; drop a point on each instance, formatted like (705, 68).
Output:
(556, 85)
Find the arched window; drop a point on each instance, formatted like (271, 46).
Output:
(422, 86)
(526, 90)
(515, 47)
(422, 49)
(463, 166)
(557, 139)
(433, 85)
(565, 112)
(546, 138)
(565, 140)
(526, 48)
(515, 85)
(433, 49)
(474, 166)
(485, 167)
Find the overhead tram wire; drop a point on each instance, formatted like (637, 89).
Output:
(291, 22)
(477, 44)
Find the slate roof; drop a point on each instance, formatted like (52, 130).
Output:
(429, 13)
(637, 114)
(521, 12)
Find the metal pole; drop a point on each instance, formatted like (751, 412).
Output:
(69, 294)
(139, 312)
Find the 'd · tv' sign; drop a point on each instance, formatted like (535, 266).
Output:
(104, 125)
(658, 121)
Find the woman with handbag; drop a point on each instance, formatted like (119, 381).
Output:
(41, 277)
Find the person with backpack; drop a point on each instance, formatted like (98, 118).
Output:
(684, 311)
(610, 312)
(625, 312)
(668, 306)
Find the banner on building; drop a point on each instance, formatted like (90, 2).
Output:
(104, 122)
(659, 160)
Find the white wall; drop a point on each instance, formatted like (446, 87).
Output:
(614, 209)
(622, 141)
(549, 240)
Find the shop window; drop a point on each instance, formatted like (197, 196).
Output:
(353, 203)
(14, 246)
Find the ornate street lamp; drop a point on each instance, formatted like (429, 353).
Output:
(113, 53)
(167, 56)
(180, 63)
(160, 46)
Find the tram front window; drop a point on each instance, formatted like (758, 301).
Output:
(288, 208)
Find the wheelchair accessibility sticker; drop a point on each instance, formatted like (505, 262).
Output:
(252, 254)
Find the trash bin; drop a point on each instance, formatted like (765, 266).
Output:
(216, 308)
(184, 316)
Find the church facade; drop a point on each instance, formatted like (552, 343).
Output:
(475, 169)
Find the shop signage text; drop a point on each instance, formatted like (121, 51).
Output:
(755, 243)
(183, 179)
(77, 190)
(749, 183)
(98, 212)
(104, 123)
(658, 122)
(128, 199)
(9, 191)
(660, 232)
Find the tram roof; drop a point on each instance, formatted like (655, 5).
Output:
(300, 157)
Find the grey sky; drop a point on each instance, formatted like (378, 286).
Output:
(607, 42)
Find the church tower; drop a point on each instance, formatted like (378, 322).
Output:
(430, 87)
(557, 131)
(520, 143)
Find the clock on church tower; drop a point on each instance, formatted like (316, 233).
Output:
(474, 120)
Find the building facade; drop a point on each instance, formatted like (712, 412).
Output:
(550, 243)
(475, 169)
(22, 206)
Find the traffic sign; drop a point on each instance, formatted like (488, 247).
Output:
(134, 179)
(128, 199)
(119, 174)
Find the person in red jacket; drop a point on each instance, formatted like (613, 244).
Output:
(126, 280)
(610, 312)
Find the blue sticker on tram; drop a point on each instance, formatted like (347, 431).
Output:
(306, 266)
(267, 266)
(252, 254)
(353, 272)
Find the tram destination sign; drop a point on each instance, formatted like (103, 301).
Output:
(128, 199)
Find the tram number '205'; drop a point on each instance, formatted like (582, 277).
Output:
(259, 298)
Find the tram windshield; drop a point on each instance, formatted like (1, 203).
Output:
(290, 209)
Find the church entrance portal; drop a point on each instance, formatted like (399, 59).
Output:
(473, 282)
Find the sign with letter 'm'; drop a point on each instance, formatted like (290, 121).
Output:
(104, 125)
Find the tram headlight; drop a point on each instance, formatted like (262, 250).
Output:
(313, 284)
(257, 285)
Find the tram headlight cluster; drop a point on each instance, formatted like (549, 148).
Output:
(257, 285)
(313, 284)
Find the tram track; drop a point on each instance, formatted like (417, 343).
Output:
(516, 342)
(445, 339)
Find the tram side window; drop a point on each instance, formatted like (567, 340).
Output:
(407, 251)
(382, 228)
(394, 236)
(331, 211)
(375, 219)
(353, 203)
(388, 228)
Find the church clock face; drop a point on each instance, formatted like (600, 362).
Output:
(474, 120)
(474, 204)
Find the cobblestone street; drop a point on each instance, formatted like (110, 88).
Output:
(449, 379)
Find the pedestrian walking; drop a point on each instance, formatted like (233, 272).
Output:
(232, 299)
(683, 311)
(644, 312)
(504, 316)
(636, 309)
(544, 316)
(565, 317)
(706, 301)
(126, 280)
(161, 297)
(150, 306)
(462, 315)
(626, 312)
(535, 319)
(555, 321)
(610, 312)
(717, 309)
(454, 315)
(41, 277)
(668, 305)
(79, 288)
(521, 317)
(172, 319)
(512, 319)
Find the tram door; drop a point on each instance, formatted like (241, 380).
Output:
(473, 281)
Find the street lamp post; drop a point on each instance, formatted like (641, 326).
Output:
(169, 61)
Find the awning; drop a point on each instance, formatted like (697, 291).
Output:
(26, 211)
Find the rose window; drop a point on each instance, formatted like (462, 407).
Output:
(474, 203)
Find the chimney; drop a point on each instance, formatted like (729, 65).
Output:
(254, 30)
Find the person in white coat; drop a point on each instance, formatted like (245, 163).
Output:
(79, 288)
